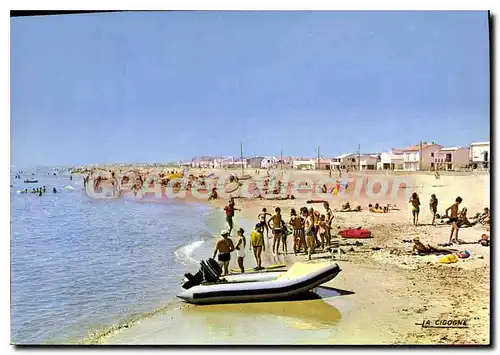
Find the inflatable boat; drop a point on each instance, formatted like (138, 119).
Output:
(30, 181)
(254, 287)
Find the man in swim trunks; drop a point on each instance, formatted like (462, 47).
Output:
(224, 246)
(230, 214)
(453, 209)
(263, 220)
(329, 218)
(257, 244)
(276, 225)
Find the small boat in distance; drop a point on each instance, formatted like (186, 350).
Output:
(28, 181)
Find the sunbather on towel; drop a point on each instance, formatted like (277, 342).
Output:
(419, 247)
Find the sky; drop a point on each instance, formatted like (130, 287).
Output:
(167, 86)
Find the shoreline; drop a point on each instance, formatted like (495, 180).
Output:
(420, 288)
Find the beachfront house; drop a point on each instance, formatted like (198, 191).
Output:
(347, 161)
(323, 164)
(268, 163)
(420, 154)
(255, 162)
(368, 161)
(304, 164)
(452, 158)
(479, 154)
(391, 160)
(223, 162)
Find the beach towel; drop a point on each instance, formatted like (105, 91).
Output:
(448, 259)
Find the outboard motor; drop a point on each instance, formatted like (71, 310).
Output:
(209, 272)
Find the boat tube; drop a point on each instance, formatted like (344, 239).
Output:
(256, 287)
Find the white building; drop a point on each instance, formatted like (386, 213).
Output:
(479, 154)
(412, 158)
(304, 164)
(391, 160)
(452, 158)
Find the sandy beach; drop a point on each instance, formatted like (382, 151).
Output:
(381, 295)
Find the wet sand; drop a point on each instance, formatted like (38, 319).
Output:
(382, 294)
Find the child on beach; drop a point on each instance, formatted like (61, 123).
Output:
(453, 209)
(322, 231)
(257, 244)
(262, 217)
(433, 204)
(240, 248)
(213, 195)
(415, 209)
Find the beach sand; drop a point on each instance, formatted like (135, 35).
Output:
(381, 295)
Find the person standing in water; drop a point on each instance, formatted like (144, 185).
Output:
(224, 246)
(240, 248)
(257, 244)
(415, 209)
(433, 204)
(54, 190)
(262, 217)
(276, 225)
(310, 233)
(453, 209)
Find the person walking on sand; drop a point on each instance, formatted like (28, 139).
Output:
(322, 231)
(240, 248)
(262, 217)
(224, 246)
(433, 204)
(257, 244)
(230, 214)
(275, 223)
(415, 209)
(310, 235)
(453, 209)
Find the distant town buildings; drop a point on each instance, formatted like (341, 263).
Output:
(422, 156)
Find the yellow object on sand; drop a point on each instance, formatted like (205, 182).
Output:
(449, 259)
(175, 176)
(300, 269)
(375, 210)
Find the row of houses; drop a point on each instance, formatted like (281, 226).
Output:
(424, 156)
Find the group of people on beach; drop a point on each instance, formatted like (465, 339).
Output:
(310, 230)
(454, 216)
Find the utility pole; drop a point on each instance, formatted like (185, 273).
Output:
(359, 157)
(420, 158)
(241, 151)
(319, 168)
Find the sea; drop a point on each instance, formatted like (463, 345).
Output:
(80, 266)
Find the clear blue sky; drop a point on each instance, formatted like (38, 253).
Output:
(164, 86)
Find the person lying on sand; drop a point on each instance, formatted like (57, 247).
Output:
(484, 218)
(376, 208)
(420, 248)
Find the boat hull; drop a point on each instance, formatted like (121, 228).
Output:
(257, 291)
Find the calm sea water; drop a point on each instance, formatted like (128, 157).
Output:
(79, 265)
